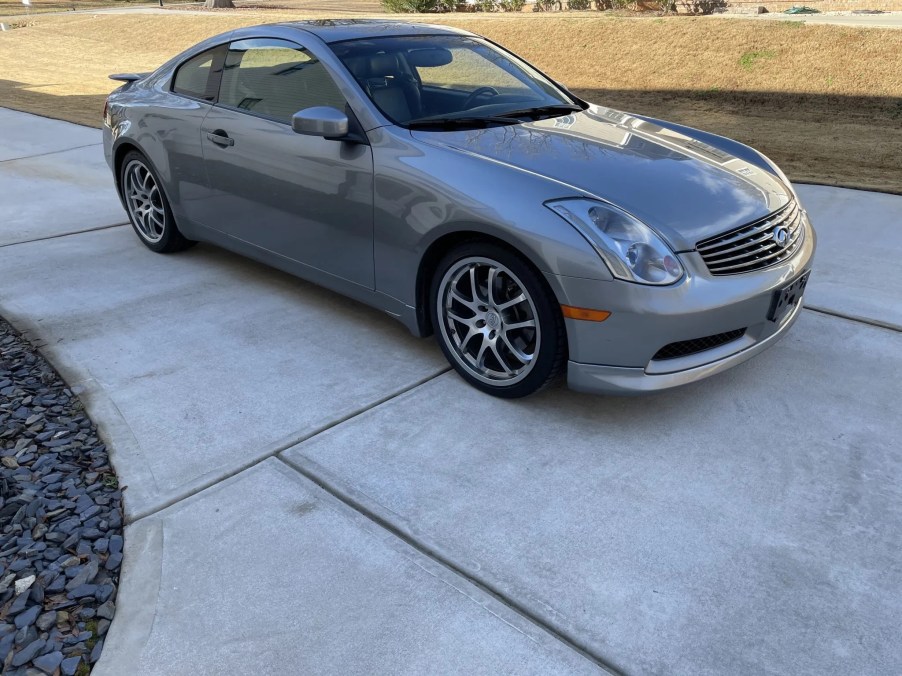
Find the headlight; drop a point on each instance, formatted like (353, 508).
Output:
(631, 250)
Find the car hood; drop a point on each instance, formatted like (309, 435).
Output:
(684, 188)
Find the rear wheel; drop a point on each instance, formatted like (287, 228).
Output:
(497, 321)
(147, 206)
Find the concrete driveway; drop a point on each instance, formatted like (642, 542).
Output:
(310, 490)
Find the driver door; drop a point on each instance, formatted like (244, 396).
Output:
(305, 198)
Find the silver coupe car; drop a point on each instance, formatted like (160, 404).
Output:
(433, 174)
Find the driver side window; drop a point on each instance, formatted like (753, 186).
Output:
(275, 79)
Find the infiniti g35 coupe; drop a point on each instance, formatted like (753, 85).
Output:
(432, 174)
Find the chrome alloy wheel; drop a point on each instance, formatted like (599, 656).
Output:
(145, 202)
(488, 319)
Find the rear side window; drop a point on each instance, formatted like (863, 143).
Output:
(275, 79)
(195, 77)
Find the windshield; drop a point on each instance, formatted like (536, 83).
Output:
(438, 80)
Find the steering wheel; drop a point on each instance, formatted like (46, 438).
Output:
(476, 93)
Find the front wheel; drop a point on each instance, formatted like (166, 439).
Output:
(497, 321)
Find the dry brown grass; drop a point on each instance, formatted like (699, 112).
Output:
(823, 101)
(16, 8)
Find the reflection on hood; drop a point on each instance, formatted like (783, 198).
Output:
(681, 186)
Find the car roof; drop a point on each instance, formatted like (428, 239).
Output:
(336, 30)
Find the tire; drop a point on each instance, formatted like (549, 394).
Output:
(148, 207)
(510, 344)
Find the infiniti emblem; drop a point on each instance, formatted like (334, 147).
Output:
(781, 236)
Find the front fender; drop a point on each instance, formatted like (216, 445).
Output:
(425, 193)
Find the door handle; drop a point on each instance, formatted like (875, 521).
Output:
(220, 138)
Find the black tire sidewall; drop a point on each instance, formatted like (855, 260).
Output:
(552, 348)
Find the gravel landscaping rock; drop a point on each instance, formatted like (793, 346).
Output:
(69, 665)
(60, 521)
(48, 662)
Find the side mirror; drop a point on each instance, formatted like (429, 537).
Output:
(320, 121)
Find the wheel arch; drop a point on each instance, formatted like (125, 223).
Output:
(127, 144)
(120, 150)
(434, 254)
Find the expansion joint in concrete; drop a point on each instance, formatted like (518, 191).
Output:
(49, 152)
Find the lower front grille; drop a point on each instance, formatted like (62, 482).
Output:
(696, 345)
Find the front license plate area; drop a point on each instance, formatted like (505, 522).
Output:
(787, 298)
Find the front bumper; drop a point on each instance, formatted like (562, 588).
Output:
(599, 379)
(618, 356)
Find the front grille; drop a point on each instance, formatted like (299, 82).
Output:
(755, 246)
(696, 345)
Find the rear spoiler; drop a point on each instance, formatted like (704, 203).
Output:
(128, 77)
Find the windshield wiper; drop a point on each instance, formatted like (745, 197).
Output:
(424, 122)
(557, 108)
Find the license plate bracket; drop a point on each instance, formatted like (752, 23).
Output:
(785, 299)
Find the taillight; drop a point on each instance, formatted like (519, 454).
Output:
(106, 113)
